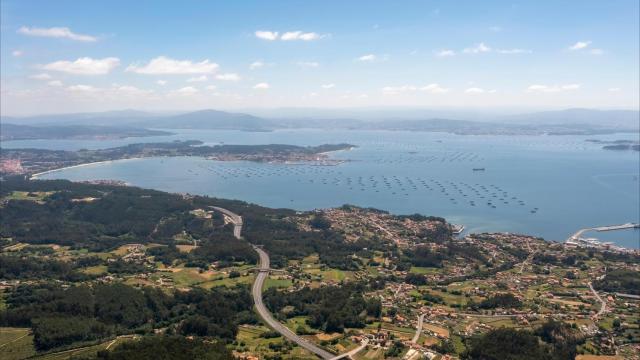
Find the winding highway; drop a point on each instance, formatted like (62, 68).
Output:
(256, 292)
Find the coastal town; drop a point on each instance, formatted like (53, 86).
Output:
(436, 289)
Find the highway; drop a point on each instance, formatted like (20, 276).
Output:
(235, 219)
(256, 292)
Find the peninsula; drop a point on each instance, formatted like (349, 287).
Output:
(37, 161)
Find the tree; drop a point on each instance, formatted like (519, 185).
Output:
(167, 348)
(506, 344)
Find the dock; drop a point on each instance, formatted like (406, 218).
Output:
(617, 227)
(577, 239)
(577, 236)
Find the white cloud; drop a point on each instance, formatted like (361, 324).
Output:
(161, 82)
(187, 90)
(228, 77)
(84, 66)
(299, 35)
(580, 45)
(513, 51)
(200, 78)
(552, 88)
(368, 58)
(262, 86)
(328, 86)
(82, 88)
(596, 52)
(166, 66)
(430, 88)
(56, 32)
(41, 76)
(17, 53)
(479, 48)
(613, 89)
(308, 64)
(256, 65)
(267, 35)
(392, 90)
(474, 90)
(55, 83)
(129, 90)
(288, 36)
(434, 89)
(445, 53)
(211, 87)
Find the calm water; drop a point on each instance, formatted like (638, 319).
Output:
(548, 186)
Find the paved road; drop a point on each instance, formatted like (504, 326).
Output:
(266, 315)
(603, 304)
(418, 329)
(350, 354)
(256, 291)
(235, 219)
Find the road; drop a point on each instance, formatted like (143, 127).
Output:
(350, 354)
(256, 292)
(418, 329)
(603, 304)
(235, 219)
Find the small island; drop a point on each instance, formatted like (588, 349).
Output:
(37, 161)
(618, 145)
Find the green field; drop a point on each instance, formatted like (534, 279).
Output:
(38, 196)
(82, 351)
(281, 283)
(16, 343)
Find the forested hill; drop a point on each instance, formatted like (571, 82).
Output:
(25, 132)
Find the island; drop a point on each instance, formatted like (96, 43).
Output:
(38, 161)
(617, 145)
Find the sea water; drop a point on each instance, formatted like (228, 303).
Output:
(548, 186)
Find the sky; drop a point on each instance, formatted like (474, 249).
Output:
(79, 56)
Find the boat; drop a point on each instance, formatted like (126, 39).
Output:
(478, 169)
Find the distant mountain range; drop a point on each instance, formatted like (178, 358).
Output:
(571, 121)
(28, 132)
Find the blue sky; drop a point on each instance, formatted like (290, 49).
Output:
(69, 56)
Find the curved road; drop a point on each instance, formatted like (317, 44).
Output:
(256, 291)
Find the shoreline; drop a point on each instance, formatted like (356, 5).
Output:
(37, 175)
(311, 162)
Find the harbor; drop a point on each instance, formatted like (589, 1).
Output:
(577, 238)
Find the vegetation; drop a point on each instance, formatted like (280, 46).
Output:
(167, 348)
(505, 301)
(511, 344)
(329, 308)
(619, 280)
(61, 317)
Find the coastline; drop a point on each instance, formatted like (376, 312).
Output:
(37, 175)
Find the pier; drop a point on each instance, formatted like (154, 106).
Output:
(577, 239)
